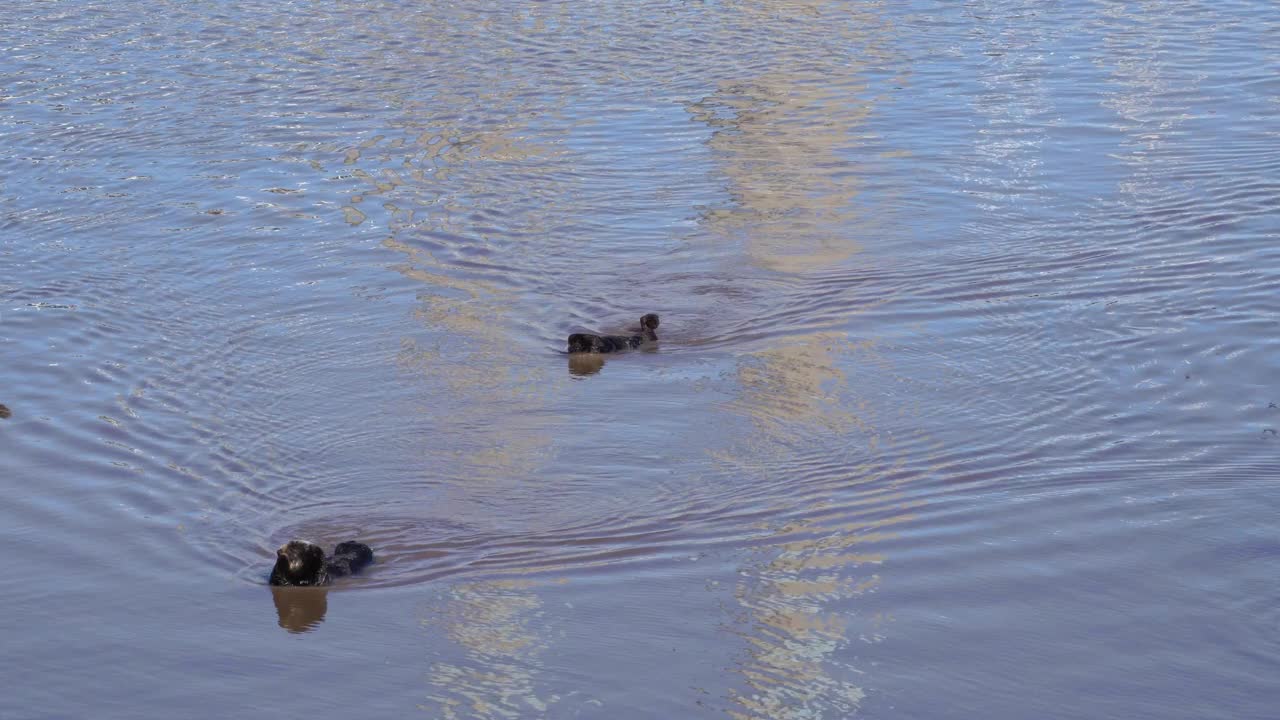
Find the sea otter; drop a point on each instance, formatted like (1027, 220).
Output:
(586, 342)
(299, 562)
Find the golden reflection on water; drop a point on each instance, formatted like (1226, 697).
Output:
(792, 390)
(798, 596)
(494, 397)
(497, 625)
(795, 212)
(787, 139)
(492, 392)
(795, 394)
(787, 142)
(443, 175)
(793, 636)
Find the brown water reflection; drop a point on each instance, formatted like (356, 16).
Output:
(300, 609)
(583, 364)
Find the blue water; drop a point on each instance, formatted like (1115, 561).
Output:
(965, 402)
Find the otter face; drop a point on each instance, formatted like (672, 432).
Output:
(582, 342)
(299, 563)
(649, 321)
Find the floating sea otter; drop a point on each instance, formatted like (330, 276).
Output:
(299, 562)
(586, 342)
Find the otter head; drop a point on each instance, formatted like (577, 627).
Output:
(582, 342)
(299, 562)
(649, 321)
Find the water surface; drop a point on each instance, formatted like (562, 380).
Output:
(965, 403)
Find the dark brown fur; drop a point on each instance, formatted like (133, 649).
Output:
(300, 563)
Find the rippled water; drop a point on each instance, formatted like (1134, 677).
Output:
(965, 403)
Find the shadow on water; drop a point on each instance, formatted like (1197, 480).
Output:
(300, 609)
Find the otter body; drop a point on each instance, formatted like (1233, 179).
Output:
(586, 342)
(300, 563)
